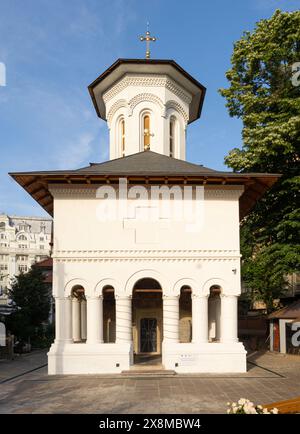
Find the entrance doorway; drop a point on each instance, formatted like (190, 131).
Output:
(148, 338)
(147, 318)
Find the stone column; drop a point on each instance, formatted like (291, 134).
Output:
(63, 319)
(228, 318)
(76, 314)
(199, 318)
(123, 319)
(95, 320)
(171, 318)
(83, 319)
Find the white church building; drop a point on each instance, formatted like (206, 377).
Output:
(146, 257)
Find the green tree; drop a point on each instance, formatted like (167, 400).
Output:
(263, 96)
(32, 299)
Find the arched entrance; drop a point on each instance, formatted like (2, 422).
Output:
(147, 321)
(109, 314)
(79, 314)
(214, 313)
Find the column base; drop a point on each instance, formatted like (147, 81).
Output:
(83, 358)
(210, 357)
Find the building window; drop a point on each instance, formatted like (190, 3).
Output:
(22, 246)
(3, 237)
(41, 247)
(41, 238)
(4, 258)
(3, 267)
(172, 137)
(3, 245)
(122, 137)
(23, 268)
(22, 258)
(22, 238)
(146, 131)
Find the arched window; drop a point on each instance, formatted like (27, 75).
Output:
(146, 131)
(122, 137)
(22, 238)
(79, 314)
(172, 137)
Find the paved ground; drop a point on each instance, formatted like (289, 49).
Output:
(277, 377)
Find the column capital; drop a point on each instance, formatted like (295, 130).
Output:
(170, 296)
(228, 295)
(123, 296)
(94, 297)
(197, 295)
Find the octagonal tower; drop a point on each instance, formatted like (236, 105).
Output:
(147, 105)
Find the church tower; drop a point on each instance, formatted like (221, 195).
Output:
(147, 104)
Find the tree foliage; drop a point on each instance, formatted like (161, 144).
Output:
(262, 94)
(32, 299)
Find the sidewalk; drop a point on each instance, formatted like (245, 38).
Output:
(22, 363)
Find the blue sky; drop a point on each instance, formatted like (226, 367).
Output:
(53, 49)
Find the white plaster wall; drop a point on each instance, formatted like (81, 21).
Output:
(91, 249)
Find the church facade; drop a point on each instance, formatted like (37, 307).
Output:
(146, 257)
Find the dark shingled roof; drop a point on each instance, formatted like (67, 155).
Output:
(147, 163)
(289, 312)
(146, 166)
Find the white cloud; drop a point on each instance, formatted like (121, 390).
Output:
(74, 154)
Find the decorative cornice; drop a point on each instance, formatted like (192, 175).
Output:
(144, 81)
(215, 192)
(141, 97)
(223, 193)
(114, 108)
(146, 255)
(176, 106)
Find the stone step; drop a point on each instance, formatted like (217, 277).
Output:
(148, 373)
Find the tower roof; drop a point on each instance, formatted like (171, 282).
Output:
(148, 66)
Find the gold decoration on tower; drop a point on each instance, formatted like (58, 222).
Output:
(148, 39)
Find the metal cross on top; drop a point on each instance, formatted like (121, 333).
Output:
(148, 39)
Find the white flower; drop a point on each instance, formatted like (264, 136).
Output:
(242, 401)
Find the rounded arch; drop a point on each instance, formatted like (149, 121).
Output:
(22, 236)
(186, 281)
(145, 97)
(106, 282)
(145, 274)
(121, 103)
(75, 282)
(177, 108)
(216, 281)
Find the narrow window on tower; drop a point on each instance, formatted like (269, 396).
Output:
(172, 137)
(122, 137)
(146, 121)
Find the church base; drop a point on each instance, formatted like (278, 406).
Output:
(70, 358)
(204, 357)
